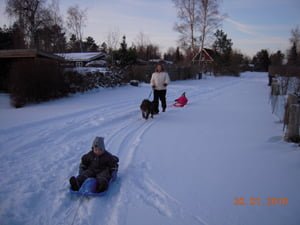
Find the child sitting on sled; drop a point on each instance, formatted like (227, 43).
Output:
(97, 163)
(181, 101)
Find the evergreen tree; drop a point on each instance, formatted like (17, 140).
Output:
(125, 56)
(6, 38)
(52, 39)
(293, 55)
(90, 45)
(12, 37)
(223, 50)
(123, 45)
(261, 61)
(73, 44)
(277, 59)
(222, 44)
(173, 55)
(104, 47)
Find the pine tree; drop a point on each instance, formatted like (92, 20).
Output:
(90, 45)
(277, 59)
(293, 55)
(261, 60)
(125, 56)
(223, 49)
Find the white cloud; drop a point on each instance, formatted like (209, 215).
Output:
(252, 38)
(242, 27)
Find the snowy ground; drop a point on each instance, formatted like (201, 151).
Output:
(220, 160)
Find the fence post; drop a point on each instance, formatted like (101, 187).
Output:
(292, 132)
(291, 99)
(275, 88)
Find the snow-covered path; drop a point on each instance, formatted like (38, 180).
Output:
(186, 166)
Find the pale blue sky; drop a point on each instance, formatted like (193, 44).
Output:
(251, 24)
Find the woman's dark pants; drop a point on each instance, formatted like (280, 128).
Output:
(159, 95)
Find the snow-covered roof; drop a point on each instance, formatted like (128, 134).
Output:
(160, 61)
(97, 63)
(82, 56)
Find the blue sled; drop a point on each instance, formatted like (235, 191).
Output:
(88, 188)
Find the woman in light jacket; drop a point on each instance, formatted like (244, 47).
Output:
(159, 82)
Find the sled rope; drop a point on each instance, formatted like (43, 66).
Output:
(76, 211)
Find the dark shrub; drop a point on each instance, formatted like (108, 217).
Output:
(35, 81)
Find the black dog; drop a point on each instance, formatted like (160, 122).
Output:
(147, 108)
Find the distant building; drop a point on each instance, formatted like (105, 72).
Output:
(206, 61)
(27, 54)
(206, 56)
(82, 59)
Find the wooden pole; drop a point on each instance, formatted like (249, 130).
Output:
(292, 133)
(292, 99)
(275, 88)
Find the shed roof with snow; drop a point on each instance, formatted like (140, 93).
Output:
(82, 56)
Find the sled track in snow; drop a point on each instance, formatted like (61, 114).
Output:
(65, 138)
(71, 134)
(125, 139)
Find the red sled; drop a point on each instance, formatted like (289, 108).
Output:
(181, 101)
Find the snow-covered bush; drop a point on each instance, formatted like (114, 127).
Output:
(84, 80)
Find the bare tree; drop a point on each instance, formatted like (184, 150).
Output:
(113, 39)
(187, 27)
(209, 20)
(142, 41)
(76, 21)
(30, 15)
(55, 12)
(198, 21)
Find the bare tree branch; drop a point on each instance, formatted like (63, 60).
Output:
(113, 39)
(30, 15)
(76, 21)
(187, 27)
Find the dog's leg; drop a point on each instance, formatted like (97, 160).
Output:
(147, 115)
(143, 114)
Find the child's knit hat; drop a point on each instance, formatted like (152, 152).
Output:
(99, 142)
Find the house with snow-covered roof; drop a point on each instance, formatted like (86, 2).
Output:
(81, 59)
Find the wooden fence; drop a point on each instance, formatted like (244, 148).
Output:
(176, 72)
(291, 117)
(287, 71)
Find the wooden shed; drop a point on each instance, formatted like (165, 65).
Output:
(12, 54)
